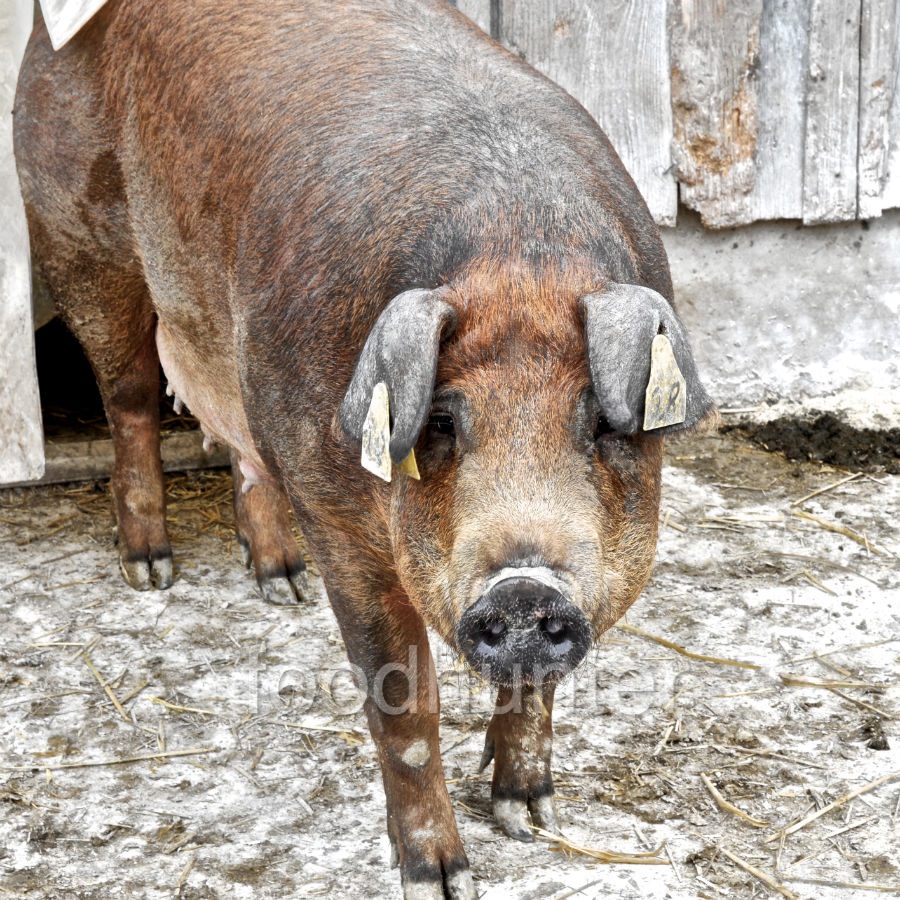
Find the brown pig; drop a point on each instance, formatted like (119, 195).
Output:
(295, 207)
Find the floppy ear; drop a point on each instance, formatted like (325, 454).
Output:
(401, 350)
(620, 324)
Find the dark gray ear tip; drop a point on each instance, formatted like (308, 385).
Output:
(400, 446)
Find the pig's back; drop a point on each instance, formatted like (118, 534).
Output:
(371, 145)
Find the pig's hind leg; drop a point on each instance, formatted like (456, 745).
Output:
(263, 522)
(83, 252)
(520, 742)
(109, 312)
(118, 339)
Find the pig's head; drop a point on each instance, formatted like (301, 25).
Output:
(533, 527)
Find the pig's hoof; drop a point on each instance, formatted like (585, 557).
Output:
(543, 813)
(516, 817)
(282, 589)
(146, 574)
(512, 817)
(458, 886)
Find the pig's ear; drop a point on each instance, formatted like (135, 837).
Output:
(402, 351)
(621, 322)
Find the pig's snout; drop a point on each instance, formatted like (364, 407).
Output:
(523, 630)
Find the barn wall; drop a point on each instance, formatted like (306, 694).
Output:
(786, 318)
(745, 111)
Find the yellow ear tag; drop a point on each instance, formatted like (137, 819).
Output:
(376, 434)
(665, 402)
(409, 467)
(376, 439)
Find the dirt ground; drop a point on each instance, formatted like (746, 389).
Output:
(739, 727)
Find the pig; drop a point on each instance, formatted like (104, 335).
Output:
(295, 208)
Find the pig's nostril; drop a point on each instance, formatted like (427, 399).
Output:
(493, 632)
(556, 630)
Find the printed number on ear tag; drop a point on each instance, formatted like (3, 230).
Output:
(376, 439)
(665, 402)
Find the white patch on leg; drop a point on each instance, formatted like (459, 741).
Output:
(416, 755)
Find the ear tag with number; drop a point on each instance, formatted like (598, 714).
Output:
(376, 439)
(665, 402)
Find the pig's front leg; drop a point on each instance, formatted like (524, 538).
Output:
(387, 640)
(520, 741)
(263, 522)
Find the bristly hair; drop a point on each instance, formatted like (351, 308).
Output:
(506, 308)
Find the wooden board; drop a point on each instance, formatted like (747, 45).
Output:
(21, 439)
(832, 112)
(612, 57)
(714, 49)
(781, 114)
(878, 110)
(181, 451)
(479, 11)
(891, 195)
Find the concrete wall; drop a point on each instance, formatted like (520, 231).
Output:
(786, 318)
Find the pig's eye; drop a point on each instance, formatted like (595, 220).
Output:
(603, 431)
(442, 423)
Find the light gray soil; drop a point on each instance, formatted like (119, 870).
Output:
(277, 792)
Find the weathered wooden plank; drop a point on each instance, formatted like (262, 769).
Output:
(479, 11)
(879, 65)
(714, 49)
(832, 112)
(891, 196)
(611, 56)
(21, 440)
(781, 112)
(181, 451)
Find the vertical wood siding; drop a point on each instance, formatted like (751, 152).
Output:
(747, 109)
(582, 46)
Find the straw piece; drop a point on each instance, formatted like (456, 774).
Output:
(828, 683)
(828, 488)
(850, 649)
(862, 703)
(833, 685)
(575, 891)
(805, 573)
(759, 875)
(109, 691)
(651, 858)
(860, 539)
(835, 804)
(134, 692)
(749, 751)
(730, 807)
(688, 653)
(89, 764)
(350, 735)
(186, 871)
(187, 709)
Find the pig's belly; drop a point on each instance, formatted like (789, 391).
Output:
(210, 389)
